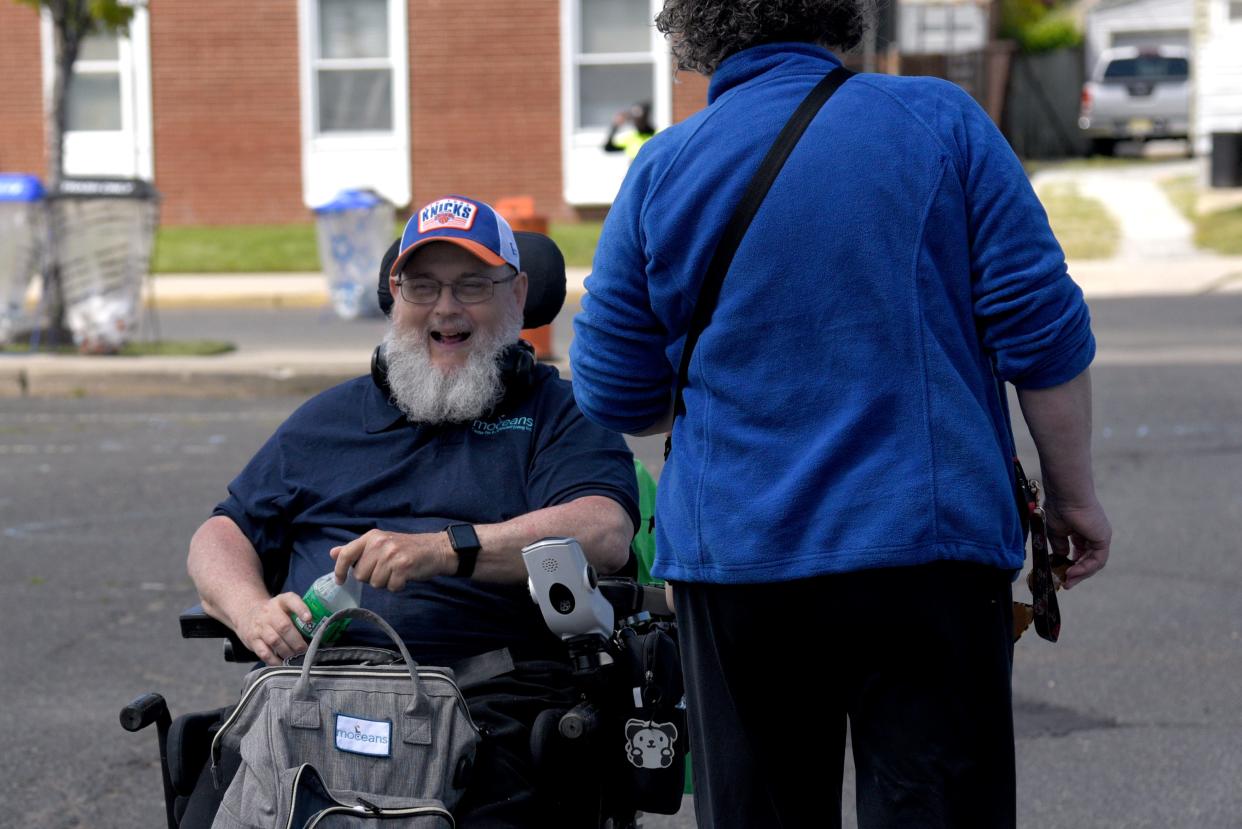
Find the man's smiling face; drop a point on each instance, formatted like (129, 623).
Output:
(450, 326)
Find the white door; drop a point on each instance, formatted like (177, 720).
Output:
(108, 125)
(355, 109)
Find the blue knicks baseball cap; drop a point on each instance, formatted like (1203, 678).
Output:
(470, 224)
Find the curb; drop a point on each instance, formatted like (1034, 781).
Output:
(237, 374)
(244, 290)
(253, 290)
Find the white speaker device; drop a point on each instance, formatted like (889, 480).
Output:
(563, 584)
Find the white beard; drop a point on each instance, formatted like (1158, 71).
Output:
(428, 394)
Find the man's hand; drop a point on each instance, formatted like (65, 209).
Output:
(1080, 532)
(269, 632)
(387, 560)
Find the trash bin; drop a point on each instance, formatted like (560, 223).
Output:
(519, 212)
(22, 230)
(354, 229)
(104, 236)
(1226, 159)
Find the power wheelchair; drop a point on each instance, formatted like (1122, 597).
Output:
(606, 694)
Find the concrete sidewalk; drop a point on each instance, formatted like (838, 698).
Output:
(1151, 227)
(315, 362)
(1194, 275)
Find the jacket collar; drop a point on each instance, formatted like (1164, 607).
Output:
(749, 64)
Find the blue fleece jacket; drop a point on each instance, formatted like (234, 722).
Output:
(842, 411)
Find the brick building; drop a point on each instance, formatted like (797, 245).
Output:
(246, 112)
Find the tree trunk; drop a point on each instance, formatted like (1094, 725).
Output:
(66, 39)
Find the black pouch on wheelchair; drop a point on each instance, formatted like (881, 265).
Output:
(654, 717)
(314, 805)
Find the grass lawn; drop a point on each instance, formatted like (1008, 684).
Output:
(243, 249)
(577, 240)
(1090, 162)
(158, 348)
(1220, 232)
(1182, 192)
(293, 248)
(1082, 225)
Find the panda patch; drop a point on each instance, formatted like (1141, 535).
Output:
(649, 745)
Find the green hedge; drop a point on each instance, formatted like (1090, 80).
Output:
(1038, 27)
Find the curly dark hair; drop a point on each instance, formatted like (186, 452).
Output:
(702, 33)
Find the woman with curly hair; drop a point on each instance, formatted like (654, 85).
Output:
(837, 515)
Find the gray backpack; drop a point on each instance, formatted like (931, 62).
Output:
(346, 745)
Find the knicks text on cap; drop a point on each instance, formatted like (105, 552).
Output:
(447, 214)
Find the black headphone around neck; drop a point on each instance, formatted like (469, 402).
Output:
(517, 369)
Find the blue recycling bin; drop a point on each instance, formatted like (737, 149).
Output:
(354, 230)
(22, 241)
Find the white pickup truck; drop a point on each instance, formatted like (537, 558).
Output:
(1135, 94)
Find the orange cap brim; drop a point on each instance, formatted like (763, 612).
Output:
(486, 254)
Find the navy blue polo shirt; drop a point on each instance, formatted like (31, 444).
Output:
(348, 461)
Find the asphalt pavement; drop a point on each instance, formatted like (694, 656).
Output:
(1131, 720)
(108, 463)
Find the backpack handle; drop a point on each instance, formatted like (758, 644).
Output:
(302, 690)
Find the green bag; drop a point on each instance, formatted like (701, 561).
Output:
(643, 544)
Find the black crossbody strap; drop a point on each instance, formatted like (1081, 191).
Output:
(740, 221)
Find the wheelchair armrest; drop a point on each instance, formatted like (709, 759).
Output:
(196, 624)
(628, 597)
(655, 602)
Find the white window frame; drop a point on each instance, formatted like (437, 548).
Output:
(942, 27)
(335, 161)
(129, 151)
(592, 176)
(84, 66)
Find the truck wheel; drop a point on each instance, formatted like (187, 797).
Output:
(1104, 146)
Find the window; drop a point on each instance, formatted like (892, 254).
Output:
(1235, 9)
(354, 82)
(612, 58)
(94, 100)
(353, 68)
(1147, 68)
(616, 67)
(931, 28)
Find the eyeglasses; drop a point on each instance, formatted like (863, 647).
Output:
(469, 290)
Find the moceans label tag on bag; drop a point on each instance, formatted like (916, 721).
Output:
(359, 736)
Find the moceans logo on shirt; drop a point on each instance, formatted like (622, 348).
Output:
(504, 424)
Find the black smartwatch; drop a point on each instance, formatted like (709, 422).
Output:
(465, 542)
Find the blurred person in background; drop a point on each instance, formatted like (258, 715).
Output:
(630, 141)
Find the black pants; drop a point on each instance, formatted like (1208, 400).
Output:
(917, 658)
(506, 790)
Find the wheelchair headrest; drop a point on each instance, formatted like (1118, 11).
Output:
(541, 260)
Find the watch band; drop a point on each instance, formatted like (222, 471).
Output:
(465, 542)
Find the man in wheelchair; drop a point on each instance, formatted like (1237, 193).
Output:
(427, 479)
